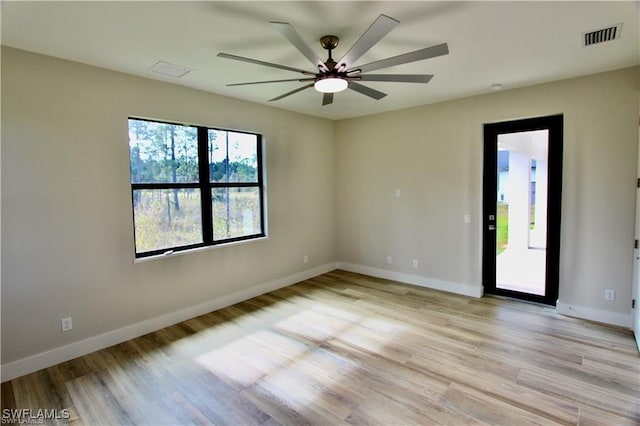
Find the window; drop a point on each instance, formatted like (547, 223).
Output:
(193, 186)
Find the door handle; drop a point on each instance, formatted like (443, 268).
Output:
(492, 227)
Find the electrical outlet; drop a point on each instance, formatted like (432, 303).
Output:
(66, 324)
(389, 261)
(305, 259)
(467, 218)
(397, 193)
(415, 263)
(609, 294)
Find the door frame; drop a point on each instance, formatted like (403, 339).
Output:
(554, 123)
(635, 288)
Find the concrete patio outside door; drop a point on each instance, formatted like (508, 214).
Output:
(522, 265)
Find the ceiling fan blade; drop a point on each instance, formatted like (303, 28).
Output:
(266, 64)
(299, 89)
(270, 81)
(397, 78)
(380, 28)
(294, 38)
(372, 93)
(418, 55)
(327, 99)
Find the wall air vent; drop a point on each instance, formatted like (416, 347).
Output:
(602, 35)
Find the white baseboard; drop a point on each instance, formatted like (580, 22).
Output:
(73, 350)
(593, 314)
(418, 280)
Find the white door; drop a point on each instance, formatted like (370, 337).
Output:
(635, 311)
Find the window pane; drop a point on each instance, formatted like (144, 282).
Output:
(163, 152)
(236, 212)
(166, 218)
(243, 157)
(233, 157)
(217, 155)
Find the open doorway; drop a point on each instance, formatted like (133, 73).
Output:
(522, 192)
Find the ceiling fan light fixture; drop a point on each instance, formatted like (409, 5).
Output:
(330, 85)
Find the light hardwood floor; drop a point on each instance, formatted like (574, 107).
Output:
(344, 348)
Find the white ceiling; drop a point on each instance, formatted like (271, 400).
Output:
(512, 43)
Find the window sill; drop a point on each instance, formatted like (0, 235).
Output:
(196, 250)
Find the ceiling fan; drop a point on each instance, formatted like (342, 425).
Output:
(332, 77)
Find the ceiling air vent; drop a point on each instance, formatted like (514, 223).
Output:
(169, 70)
(602, 35)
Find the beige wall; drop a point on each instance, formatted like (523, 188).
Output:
(67, 237)
(67, 245)
(433, 154)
